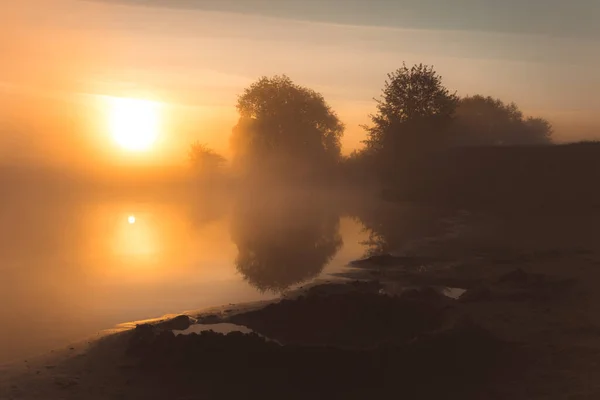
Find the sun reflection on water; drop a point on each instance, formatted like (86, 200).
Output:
(138, 237)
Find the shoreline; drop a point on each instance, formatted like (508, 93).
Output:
(529, 318)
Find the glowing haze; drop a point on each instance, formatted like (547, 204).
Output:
(134, 123)
(63, 58)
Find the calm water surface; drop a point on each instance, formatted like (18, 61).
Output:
(72, 266)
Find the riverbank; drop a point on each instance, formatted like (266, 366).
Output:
(526, 326)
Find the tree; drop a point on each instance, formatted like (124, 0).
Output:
(538, 131)
(205, 161)
(285, 128)
(412, 113)
(356, 167)
(487, 121)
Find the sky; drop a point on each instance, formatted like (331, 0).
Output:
(197, 56)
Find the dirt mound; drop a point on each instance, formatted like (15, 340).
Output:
(463, 360)
(350, 319)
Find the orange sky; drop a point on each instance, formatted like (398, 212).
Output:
(60, 54)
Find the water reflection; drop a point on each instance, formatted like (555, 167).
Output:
(135, 237)
(398, 228)
(283, 238)
(76, 265)
(207, 206)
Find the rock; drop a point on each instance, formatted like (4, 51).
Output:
(179, 323)
(144, 328)
(142, 335)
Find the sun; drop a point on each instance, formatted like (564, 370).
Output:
(134, 123)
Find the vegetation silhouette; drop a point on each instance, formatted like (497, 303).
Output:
(417, 113)
(285, 130)
(288, 133)
(484, 121)
(393, 227)
(205, 162)
(283, 238)
(425, 143)
(359, 168)
(414, 111)
(413, 120)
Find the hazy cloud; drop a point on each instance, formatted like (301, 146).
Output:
(576, 18)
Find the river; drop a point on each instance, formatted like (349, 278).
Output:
(73, 265)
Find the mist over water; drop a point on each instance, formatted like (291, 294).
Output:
(411, 211)
(77, 261)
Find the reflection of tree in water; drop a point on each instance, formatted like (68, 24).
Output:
(396, 226)
(207, 206)
(283, 240)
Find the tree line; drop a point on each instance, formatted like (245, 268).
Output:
(289, 131)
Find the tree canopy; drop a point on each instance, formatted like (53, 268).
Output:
(487, 121)
(413, 110)
(204, 160)
(285, 128)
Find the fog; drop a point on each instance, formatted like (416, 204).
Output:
(92, 242)
(368, 198)
(73, 263)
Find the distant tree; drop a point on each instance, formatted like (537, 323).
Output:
(357, 167)
(487, 121)
(286, 129)
(412, 113)
(538, 130)
(205, 161)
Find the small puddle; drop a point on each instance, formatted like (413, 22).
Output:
(223, 328)
(453, 292)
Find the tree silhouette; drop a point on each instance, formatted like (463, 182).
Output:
(487, 121)
(412, 112)
(283, 240)
(537, 131)
(205, 161)
(357, 167)
(285, 129)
